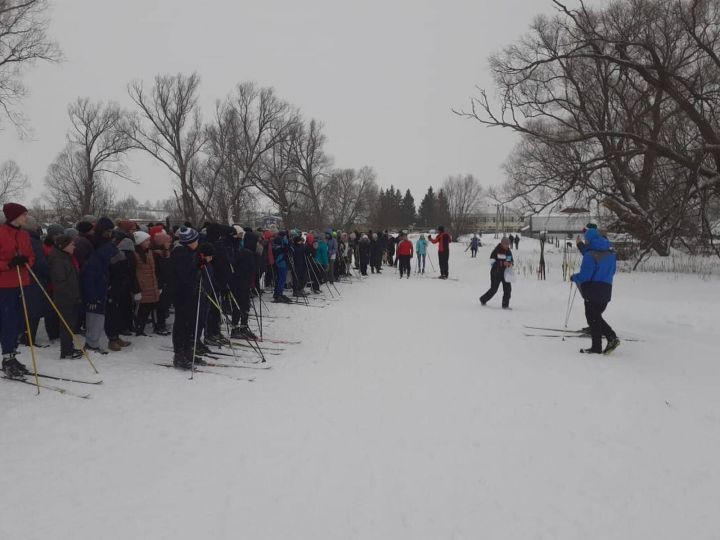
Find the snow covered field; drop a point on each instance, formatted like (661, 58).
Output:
(408, 412)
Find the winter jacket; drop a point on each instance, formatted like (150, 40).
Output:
(364, 251)
(14, 241)
(95, 277)
(65, 278)
(332, 246)
(597, 270)
(146, 278)
(83, 248)
(498, 258)
(280, 251)
(421, 246)
(474, 242)
(162, 267)
(243, 267)
(38, 305)
(321, 255)
(405, 248)
(184, 274)
(443, 239)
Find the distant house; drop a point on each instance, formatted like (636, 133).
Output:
(491, 218)
(268, 220)
(557, 224)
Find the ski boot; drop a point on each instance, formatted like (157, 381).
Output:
(201, 348)
(216, 341)
(12, 368)
(243, 332)
(73, 355)
(613, 344)
(181, 360)
(97, 349)
(590, 351)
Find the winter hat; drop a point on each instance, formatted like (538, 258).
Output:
(72, 233)
(207, 250)
(103, 224)
(84, 227)
(12, 211)
(187, 235)
(160, 239)
(62, 241)
(239, 231)
(157, 229)
(55, 230)
(441, 228)
(140, 237)
(126, 225)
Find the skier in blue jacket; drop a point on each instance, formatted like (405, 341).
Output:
(421, 250)
(595, 283)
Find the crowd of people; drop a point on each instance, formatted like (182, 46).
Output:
(112, 279)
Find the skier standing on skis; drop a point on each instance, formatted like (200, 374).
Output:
(595, 283)
(474, 244)
(184, 281)
(15, 252)
(501, 259)
(280, 252)
(421, 250)
(443, 240)
(404, 254)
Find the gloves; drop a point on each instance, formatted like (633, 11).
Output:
(18, 260)
(137, 297)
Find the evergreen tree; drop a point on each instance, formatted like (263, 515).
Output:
(442, 215)
(428, 209)
(407, 210)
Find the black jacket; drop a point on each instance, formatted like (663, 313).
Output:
(184, 274)
(65, 278)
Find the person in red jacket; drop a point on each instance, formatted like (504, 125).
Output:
(15, 252)
(405, 252)
(443, 240)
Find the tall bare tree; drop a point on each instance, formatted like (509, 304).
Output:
(463, 195)
(67, 186)
(12, 181)
(23, 41)
(312, 165)
(352, 193)
(169, 128)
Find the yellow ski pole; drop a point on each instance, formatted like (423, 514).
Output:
(27, 326)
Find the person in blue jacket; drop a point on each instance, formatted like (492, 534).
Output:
(421, 250)
(595, 283)
(281, 252)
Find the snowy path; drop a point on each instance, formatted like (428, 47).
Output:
(407, 412)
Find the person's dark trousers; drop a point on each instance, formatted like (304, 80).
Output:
(127, 317)
(213, 320)
(69, 313)
(240, 314)
(52, 324)
(390, 260)
(473, 252)
(114, 319)
(598, 326)
(363, 268)
(496, 279)
(404, 264)
(161, 311)
(143, 314)
(10, 319)
(444, 257)
(183, 331)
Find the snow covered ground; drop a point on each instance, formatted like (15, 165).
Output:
(408, 411)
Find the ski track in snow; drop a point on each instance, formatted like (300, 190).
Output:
(408, 412)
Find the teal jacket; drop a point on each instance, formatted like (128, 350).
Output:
(321, 255)
(421, 246)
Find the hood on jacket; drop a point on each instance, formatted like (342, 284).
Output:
(595, 241)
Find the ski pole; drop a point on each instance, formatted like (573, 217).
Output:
(571, 300)
(222, 315)
(197, 326)
(27, 326)
(65, 323)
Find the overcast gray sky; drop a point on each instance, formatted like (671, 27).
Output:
(381, 74)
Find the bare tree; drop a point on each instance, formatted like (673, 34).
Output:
(463, 195)
(312, 164)
(618, 105)
(66, 182)
(23, 41)
(12, 182)
(170, 129)
(352, 193)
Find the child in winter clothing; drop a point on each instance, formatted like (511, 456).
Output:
(501, 259)
(184, 282)
(421, 250)
(405, 255)
(146, 290)
(65, 278)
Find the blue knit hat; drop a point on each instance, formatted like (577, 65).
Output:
(187, 235)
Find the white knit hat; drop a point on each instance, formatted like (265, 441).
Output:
(140, 237)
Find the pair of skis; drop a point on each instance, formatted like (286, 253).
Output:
(565, 333)
(53, 388)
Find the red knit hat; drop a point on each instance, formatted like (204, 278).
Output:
(127, 225)
(12, 211)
